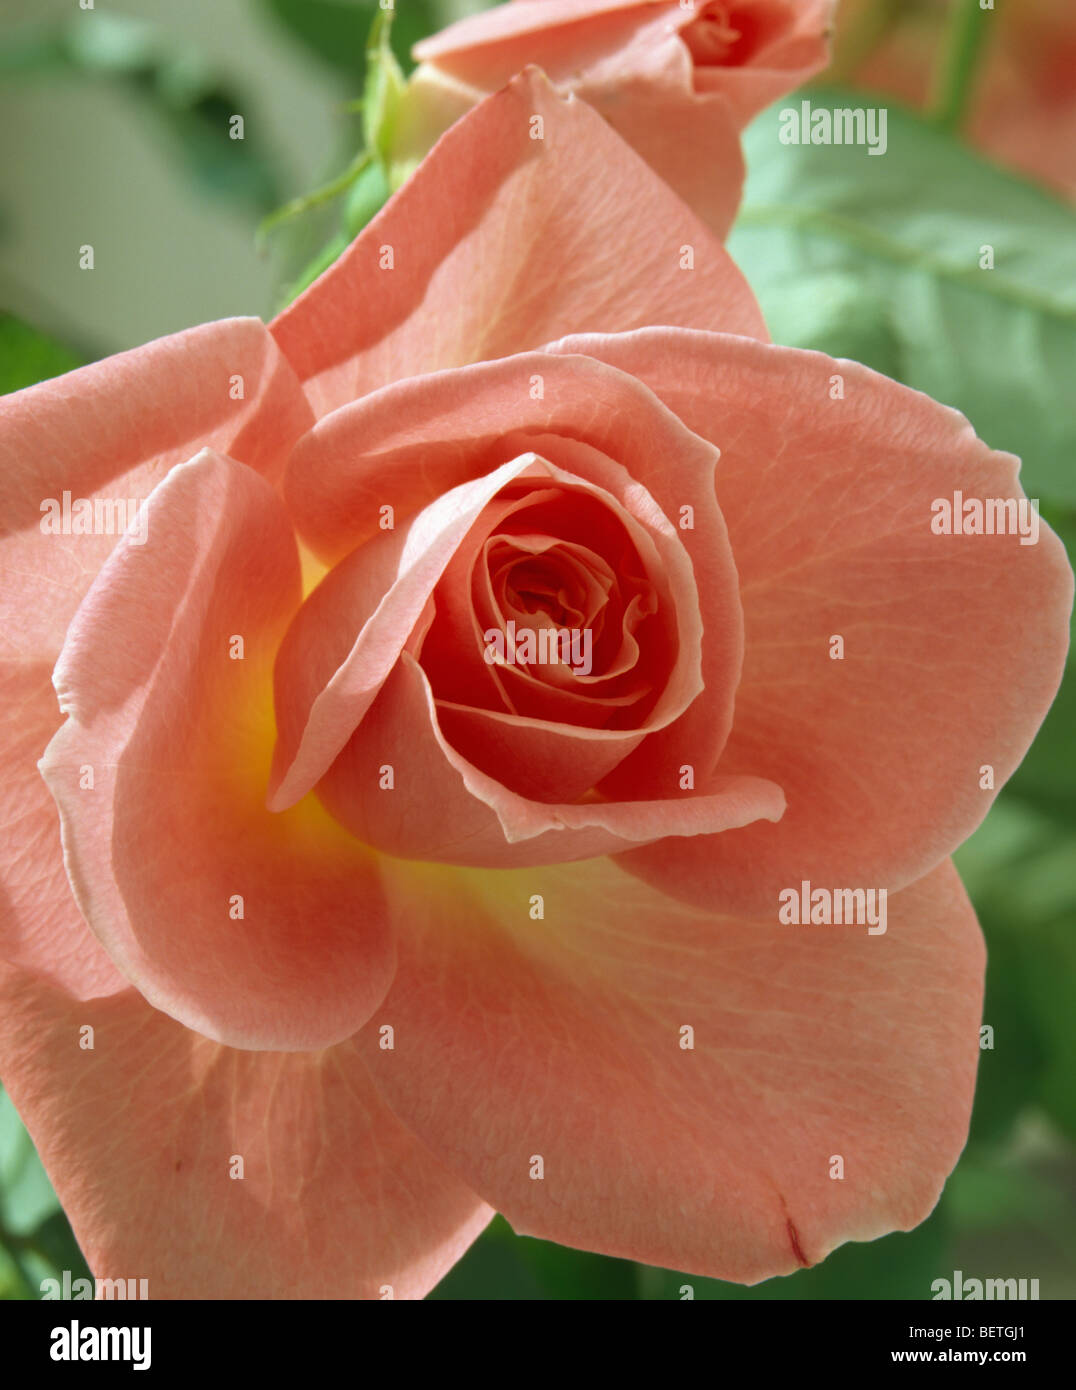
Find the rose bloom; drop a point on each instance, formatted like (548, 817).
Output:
(677, 79)
(344, 935)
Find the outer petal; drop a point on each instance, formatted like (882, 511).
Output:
(140, 1137)
(953, 645)
(502, 241)
(108, 431)
(260, 931)
(562, 1039)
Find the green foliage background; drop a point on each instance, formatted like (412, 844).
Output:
(875, 259)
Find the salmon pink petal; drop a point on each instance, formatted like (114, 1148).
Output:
(953, 645)
(689, 138)
(403, 570)
(751, 52)
(258, 931)
(577, 197)
(640, 1078)
(598, 28)
(212, 1173)
(625, 60)
(104, 435)
(559, 730)
(40, 924)
(539, 760)
(400, 786)
(477, 592)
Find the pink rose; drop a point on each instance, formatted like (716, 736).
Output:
(374, 935)
(677, 79)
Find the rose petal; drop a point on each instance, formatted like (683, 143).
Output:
(140, 1135)
(379, 595)
(627, 61)
(504, 215)
(258, 931)
(441, 807)
(598, 28)
(108, 431)
(783, 43)
(808, 1042)
(954, 645)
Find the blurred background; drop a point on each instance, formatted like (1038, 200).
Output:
(114, 131)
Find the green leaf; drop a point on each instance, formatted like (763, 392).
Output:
(54, 1241)
(26, 1195)
(981, 1196)
(1052, 981)
(36, 1240)
(1015, 865)
(491, 1268)
(1010, 1070)
(877, 256)
(578, 1275)
(503, 1265)
(27, 356)
(1018, 871)
(1047, 776)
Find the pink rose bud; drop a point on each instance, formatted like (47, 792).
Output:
(678, 80)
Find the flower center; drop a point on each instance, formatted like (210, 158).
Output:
(720, 37)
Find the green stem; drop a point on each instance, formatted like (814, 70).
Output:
(955, 77)
(325, 194)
